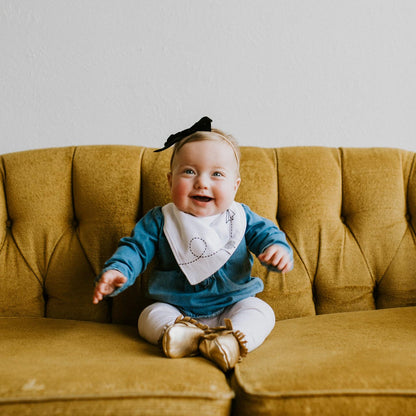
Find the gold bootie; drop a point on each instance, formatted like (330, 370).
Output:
(181, 339)
(223, 346)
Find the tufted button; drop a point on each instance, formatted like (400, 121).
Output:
(75, 223)
(9, 223)
(408, 217)
(342, 219)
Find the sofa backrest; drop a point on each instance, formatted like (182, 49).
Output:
(349, 214)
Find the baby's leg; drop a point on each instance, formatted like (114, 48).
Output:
(154, 319)
(254, 318)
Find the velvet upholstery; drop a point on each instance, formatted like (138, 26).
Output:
(343, 363)
(345, 335)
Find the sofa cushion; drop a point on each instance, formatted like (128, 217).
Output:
(52, 366)
(346, 363)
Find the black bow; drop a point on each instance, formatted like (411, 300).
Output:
(202, 125)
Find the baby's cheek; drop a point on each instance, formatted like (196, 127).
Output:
(179, 190)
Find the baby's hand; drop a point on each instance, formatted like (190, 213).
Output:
(278, 257)
(108, 283)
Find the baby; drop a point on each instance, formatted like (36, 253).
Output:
(202, 285)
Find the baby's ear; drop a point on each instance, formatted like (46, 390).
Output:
(237, 184)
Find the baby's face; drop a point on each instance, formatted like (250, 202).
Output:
(204, 178)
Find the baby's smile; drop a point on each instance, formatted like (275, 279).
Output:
(202, 198)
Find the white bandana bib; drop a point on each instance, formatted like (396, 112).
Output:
(202, 245)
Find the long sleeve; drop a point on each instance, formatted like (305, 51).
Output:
(134, 253)
(262, 233)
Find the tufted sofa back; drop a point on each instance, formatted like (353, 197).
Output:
(349, 214)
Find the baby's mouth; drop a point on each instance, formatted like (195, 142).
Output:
(201, 198)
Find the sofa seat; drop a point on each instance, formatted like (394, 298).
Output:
(355, 363)
(68, 367)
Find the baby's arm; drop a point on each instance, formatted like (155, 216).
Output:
(278, 257)
(108, 283)
(131, 258)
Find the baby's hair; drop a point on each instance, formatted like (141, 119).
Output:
(200, 136)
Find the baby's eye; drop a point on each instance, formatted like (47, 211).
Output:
(189, 171)
(218, 174)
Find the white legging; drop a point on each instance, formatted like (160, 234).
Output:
(252, 316)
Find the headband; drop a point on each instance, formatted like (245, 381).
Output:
(202, 125)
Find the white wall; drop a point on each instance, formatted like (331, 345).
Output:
(271, 72)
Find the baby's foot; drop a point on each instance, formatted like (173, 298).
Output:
(224, 346)
(182, 338)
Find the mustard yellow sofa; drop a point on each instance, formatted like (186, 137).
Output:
(345, 337)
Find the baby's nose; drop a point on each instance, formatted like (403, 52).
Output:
(201, 182)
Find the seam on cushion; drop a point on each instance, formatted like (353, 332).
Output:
(287, 236)
(373, 278)
(362, 253)
(318, 261)
(412, 168)
(11, 233)
(58, 240)
(393, 257)
(341, 173)
(73, 211)
(276, 163)
(331, 393)
(72, 183)
(276, 159)
(5, 201)
(318, 257)
(76, 232)
(295, 250)
(127, 395)
(409, 225)
(141, 184)
(27, 263)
